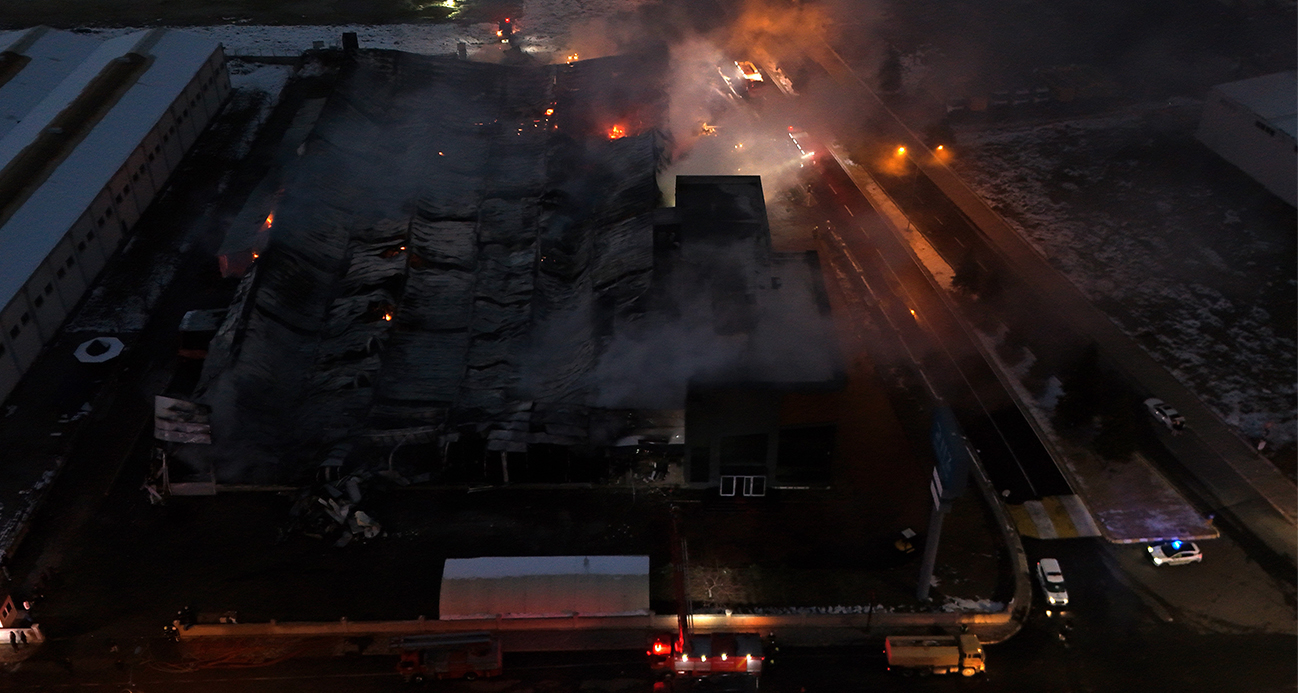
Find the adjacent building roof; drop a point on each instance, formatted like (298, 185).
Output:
(38, 223)
(1272, 98)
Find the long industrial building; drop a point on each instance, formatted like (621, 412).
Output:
(90, 131)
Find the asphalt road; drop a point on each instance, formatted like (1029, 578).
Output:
(905, 304)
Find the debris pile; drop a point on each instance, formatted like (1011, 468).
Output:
(332, 512)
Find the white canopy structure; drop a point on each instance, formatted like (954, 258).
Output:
(541, 586)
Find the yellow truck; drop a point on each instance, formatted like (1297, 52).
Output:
(935, 654)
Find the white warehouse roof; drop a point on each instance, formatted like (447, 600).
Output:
(1271, 97)
(541, 586)
(36, 227)
(518, 566)
(52, 56)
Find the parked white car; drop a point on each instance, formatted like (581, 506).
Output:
(1053, 582)
(1174, 552)
(1165, 414)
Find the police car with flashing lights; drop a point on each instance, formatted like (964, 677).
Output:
(1174, 552)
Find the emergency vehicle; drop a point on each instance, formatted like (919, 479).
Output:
(448, 656)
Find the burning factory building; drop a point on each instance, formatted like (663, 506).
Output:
(470, 278)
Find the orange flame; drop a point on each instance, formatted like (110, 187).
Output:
(388, 317)
(616, 132)
(550, 111)
(270, 219)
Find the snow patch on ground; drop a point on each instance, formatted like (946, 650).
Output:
(122, 303)
(1193, 263)
(983, 606)
(258, 86)
(545, 27)
(290, 41)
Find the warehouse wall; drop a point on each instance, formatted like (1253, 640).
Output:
(34, 316)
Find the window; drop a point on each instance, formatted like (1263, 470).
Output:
(71, 260)
(135, 176)
(167, 137)
(26, 318)
(156, 148)
(81, 246)
(40, 301)
(2, 353)
(61, 273)
(13, 332)
(140, 168)
(127, 189)
(49, 288)
(108, 213)
(118, 198)
(100, 222)
(90, 235)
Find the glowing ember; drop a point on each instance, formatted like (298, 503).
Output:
(940, 147)
(270, 219)
(388, 317)
(572, 58)
(902, 151)
(550, 111)
(616, 132)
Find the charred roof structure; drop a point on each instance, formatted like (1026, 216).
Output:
(466, 260)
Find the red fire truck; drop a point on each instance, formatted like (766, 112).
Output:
(448, 656)
(706, 654)
(702, 655)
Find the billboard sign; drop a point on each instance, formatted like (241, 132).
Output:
(951, 454)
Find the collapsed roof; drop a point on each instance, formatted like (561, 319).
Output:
(461, 246)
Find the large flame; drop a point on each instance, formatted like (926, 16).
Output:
(616, 132)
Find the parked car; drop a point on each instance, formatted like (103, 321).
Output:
(1165, 414)
(1053, 582)
(1174, 552)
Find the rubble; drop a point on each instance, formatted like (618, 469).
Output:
(331, 511)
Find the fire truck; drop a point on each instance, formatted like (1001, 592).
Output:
(687, 656)
(708, 653)
(448, 656)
